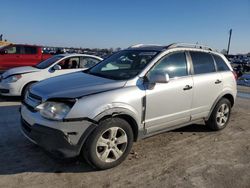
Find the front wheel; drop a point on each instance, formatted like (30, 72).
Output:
(220, 115)
(109, 144)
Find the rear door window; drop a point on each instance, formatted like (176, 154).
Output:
(29, 50)
(202, 62)
(221, 65)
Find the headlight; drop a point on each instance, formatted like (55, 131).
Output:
(54, 110)
(13, 78)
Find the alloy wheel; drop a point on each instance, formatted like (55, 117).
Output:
(222, 115)
(111, 144)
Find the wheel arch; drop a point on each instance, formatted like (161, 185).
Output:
(25, 85)
(228, 96)
(123, 114)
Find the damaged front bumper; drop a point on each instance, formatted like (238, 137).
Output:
(63, 139)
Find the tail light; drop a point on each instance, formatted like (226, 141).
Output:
(235, 75)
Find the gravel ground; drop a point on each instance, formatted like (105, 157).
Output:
(189, 157)
(243, 89)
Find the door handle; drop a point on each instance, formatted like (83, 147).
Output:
(217, 81)
(187, 87)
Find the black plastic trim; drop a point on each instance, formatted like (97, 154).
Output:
(4, 91)
(31, 108)
(143, 109)
(80, 119)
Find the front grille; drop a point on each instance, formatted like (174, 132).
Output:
(32, 101)
(35, 96)
(30, 108)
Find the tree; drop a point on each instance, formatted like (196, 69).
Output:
(111, 50)
(117, 49)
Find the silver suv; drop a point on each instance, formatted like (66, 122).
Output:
(97, 114)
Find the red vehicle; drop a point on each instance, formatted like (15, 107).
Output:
(16, 55)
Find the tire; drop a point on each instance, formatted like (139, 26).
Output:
(102, 149)
(26, 88)
(220, 116)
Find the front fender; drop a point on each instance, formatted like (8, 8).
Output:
(116, 109)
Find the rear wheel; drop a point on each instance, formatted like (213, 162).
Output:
(109, 144)
(220, 115)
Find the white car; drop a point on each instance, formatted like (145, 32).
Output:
(16, 81)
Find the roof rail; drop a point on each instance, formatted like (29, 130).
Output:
(136, 46)
(143, 45)
(199, 46)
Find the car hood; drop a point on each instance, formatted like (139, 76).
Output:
(74, 85)
(19, 70)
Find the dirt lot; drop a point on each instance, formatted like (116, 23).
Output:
(188, 157)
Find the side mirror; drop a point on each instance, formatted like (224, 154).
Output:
(158, 77)
(57, 67)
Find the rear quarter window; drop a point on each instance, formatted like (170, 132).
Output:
(88, 62)
(221, 64)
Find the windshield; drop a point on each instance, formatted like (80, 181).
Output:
(123, 65)
(46, 63)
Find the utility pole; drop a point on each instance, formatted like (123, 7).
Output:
(229, 40)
